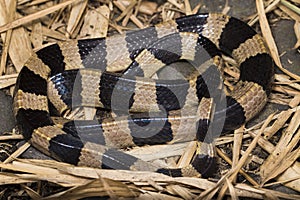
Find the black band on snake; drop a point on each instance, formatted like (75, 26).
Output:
(115, 73)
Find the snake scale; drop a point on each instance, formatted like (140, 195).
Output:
(95, 65)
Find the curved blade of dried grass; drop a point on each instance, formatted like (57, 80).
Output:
(297, 33)
(266, 31)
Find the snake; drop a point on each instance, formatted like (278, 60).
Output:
(116, 73)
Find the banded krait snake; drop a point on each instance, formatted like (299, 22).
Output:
(90, 143)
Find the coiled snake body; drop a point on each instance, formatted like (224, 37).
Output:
(92, 143)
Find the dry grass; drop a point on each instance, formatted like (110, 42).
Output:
(38, 23)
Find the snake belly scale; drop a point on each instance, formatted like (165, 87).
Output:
(47, 78)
